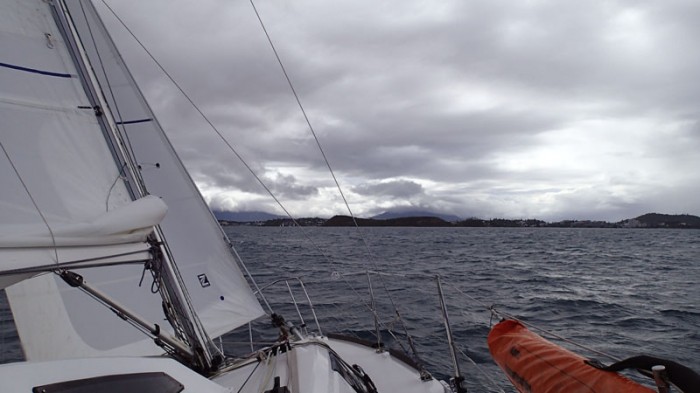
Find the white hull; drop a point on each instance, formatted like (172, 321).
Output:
(306, 366)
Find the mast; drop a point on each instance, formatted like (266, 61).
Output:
(176, 305)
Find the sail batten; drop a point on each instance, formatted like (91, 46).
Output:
(35, 71)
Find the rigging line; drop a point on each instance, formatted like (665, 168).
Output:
(195, 327)
(196, 107)
(301, 107)
(31, 198)
(120, 175)
(499, 313)
(481, 370)
(226, 142)
(249, 376)
(308, 122)
(129, 148)
(330, 169)
(190, 324)
(72, 264)
(125, 318)
(318, 143)
(376, 315)
(247, 166)
(530, 325)
(255, 284)
(206, 119)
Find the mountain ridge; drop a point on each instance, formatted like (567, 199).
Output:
(392, 214)
(648, 220)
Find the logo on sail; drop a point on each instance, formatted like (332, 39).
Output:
(203, 280)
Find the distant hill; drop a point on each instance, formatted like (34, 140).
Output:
(656, 220)
(415, 213)
(346, 221)
(429, 219)
(244, 216)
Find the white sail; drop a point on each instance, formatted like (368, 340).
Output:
(65, 195)
(219, 292)
(62, 199)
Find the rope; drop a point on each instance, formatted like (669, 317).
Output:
(243, 161)
(481, 370)
(129, 150)
(249, 376)
(221, 137)
(240, 158)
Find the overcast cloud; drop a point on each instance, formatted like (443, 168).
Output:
(517, 109)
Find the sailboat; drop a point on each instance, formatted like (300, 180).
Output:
(118, 276)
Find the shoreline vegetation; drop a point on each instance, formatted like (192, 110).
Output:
(650, 220)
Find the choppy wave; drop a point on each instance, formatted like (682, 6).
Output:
(623, 292)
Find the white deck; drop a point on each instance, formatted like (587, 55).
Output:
(309, 366)
(24, 376)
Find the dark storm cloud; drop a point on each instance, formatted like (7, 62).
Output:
(549, 109)
(398, 188)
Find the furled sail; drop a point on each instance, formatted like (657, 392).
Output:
(218, 290)
(63, 200)
(118, 235)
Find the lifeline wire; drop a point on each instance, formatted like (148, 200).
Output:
(493, 311)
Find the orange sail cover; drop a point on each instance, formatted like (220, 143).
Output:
(535, 365)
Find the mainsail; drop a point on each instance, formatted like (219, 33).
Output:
(68, 198)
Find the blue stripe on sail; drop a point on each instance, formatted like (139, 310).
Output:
(49, 73)
(133, 121)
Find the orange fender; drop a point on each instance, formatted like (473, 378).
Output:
(535, 365)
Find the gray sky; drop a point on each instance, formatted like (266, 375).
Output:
(517, 109)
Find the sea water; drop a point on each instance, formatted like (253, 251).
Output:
(620, 291)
